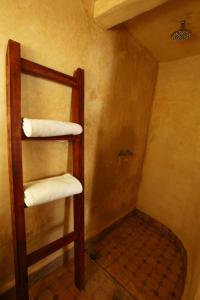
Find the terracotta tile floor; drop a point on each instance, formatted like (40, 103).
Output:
(59, 285)
(137, 259)
(144, 257)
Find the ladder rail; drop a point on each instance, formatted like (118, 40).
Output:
(78, 171)
(13, 68)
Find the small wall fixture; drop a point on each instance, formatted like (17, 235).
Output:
(182, 34)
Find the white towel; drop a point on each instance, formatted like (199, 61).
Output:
(44, 128)
(50, 189)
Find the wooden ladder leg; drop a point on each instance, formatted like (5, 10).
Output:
(13, 69)
(20, 257)
(79, 255)
(78, 172)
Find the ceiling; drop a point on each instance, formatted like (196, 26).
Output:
(109, 13)
(152, 29)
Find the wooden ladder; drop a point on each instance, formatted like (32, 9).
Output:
(15, 66)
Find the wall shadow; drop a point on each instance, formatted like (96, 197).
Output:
(123, 126)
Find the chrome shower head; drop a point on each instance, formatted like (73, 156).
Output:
(182, 34)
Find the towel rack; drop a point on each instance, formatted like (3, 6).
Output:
(14, 67)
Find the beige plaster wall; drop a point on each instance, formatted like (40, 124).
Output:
(120, 78)
(170, 185)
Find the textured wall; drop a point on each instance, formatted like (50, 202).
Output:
(170, 189)
(118, 94)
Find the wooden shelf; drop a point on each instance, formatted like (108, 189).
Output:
(34, 69)
(70, 138)
(41, 253)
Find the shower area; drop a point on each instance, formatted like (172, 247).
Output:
(154, 250)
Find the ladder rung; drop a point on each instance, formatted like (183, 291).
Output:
(34, 69)
(50, 248)
(51, 138)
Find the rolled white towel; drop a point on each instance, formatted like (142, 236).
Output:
(45, 128)
(50, 189)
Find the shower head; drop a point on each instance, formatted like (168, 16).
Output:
(182, 34)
